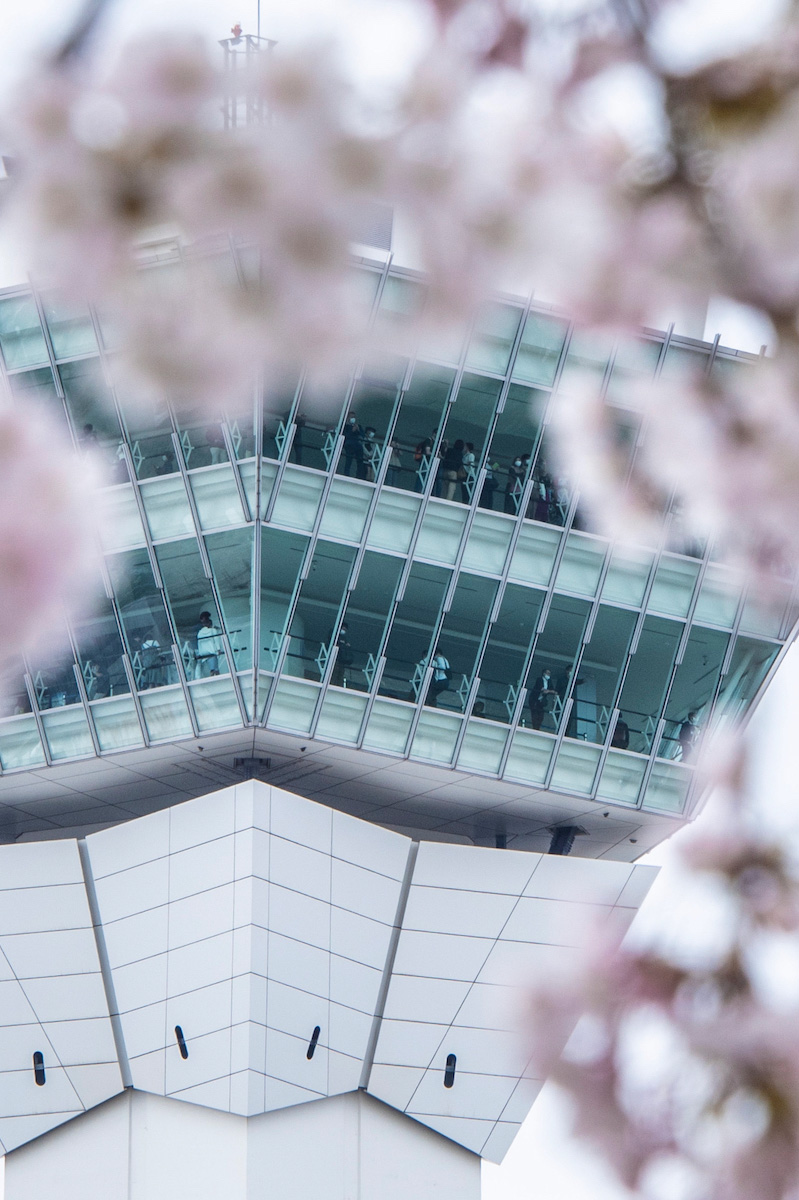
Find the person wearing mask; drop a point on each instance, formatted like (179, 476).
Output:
(539, 698)
(514, 485)
(353, 446)
(209, 646)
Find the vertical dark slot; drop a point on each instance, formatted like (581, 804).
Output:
(182, 1047)
(312, 1044)
(38, 1068)
(449, 1071)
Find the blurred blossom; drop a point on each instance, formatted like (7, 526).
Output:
(48, 547)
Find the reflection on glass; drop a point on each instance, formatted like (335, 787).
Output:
(144, 620)
(363, 625)
(508, 646)
(461, 637)
(193, 608)
(21, 337)
(418, 423)
(692, 692)
(100, 652)
(408, 647)
(550, 675)
(645, 685)
(313, 631)
(492, 337)
(282, 556)
(540, 348)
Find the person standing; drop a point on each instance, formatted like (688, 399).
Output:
(353, 446)
(514, 485)
(539, 698)
(208, 648)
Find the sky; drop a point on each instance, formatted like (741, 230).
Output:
(378, 36)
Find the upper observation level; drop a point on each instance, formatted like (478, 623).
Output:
(386, 598)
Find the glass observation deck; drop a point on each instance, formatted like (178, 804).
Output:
(309, 567)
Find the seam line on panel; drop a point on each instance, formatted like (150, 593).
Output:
(105, 964)
(388, 969)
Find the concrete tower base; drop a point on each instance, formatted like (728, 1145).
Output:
(139, 1146)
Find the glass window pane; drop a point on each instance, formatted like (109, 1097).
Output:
(647, 678)
(314, 623)
(633, 365)
(100, 652)
(341, 716)
(540, 348)
(294, 705)
(418, 423)
(282, 557)
(409, 643)
(750, 662)
(440, 534)
(389, 724)
(673, 586)
(488, 542)
(627, 576)
(14, 697)
(681, 361)
(468, 423)
(534, 554)
(622, 776)
(692, 692)
(551, 493)
(217, 498)
(298, 499)
(436, 735)
(21, 337)
(550, 674)
(718, 598)
(70, 326)
(393, 522)
(482, 747)
(599, 674)
(513, 446)
(120, 523)
(215, 704)
(530, 753)
(67, 733)
(191, 602)
(116, 724)
(461, 638)
(38, 386)
(576, 767)
(20, 745)
(581, 564)
(144, 620)
(202, 442)
(346, 509)
(492, 337)
(149, 430)
(508, 646)
(362, 628)
(166, 506)
(166, 715)
(231, 562)
(667, 788)
(53, 672)
(93, 416)
(586, 358)
(371, 411)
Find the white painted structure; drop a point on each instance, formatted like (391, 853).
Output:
(256, 954)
